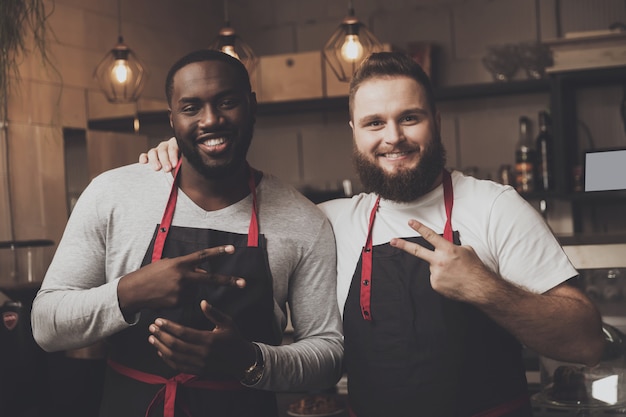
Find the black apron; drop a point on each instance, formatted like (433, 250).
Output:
(411, 352)
(138, 382)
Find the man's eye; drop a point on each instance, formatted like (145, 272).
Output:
(229, 103)
(189, 109)
(410, 120)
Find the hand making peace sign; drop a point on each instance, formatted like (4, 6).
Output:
(456, 271)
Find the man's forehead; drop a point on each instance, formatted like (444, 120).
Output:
(211, 75)
(382, 93)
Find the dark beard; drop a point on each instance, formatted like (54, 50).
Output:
(405, 185)
(218, 172)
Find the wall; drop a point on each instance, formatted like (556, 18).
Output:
(306, 149)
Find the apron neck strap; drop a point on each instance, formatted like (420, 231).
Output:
(168, 215)
(253, 229)
(448, 198)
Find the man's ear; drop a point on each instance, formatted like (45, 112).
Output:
(169, 115)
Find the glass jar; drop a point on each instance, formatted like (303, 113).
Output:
(575, 386)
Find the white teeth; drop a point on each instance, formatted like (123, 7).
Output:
(395, 155)
(214, 141)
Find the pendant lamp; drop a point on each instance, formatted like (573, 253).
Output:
(349, 45)
(230, 43)
(120, 74)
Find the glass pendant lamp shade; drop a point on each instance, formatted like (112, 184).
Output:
(348, 46)
(230, 43)
(121, 75)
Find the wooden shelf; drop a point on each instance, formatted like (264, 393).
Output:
(35, 243)
(24, 292)
(459, 92)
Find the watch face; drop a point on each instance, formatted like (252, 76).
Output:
(253, 375)
(255, 372)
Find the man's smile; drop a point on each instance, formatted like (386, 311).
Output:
(213, 144)
(396, 155)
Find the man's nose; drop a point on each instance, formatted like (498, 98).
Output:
(209, 117)
(394, 133)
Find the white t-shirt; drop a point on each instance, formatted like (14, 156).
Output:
(507, 233)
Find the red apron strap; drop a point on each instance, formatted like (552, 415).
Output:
(168, 215)
(253, 229)
(366, 267)
(448, 197)
(167, 394)
(504, 409)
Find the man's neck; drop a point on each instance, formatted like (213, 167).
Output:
(214, 194)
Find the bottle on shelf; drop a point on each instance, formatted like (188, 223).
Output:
(525, 158)
(544, 146)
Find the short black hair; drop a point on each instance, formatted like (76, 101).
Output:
(202, 55)
(391, 64)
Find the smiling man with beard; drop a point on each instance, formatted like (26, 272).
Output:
(441, 277)
(434, 323)
(187, 276)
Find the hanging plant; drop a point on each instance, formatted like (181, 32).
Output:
(20, 20)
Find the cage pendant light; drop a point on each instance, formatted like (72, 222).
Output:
(230, 43)
(121, 75)
(349, 45)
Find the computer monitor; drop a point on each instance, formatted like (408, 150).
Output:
(605, 170)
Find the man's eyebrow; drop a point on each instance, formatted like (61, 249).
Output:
(369, 118)
(376, 116)
(188, 100)
(220, 95)
(415, 110)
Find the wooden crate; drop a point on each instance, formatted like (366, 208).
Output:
(287, 77)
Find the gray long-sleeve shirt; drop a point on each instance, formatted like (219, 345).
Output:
(107, 237)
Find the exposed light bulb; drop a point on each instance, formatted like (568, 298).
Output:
(121, 72)
(230, 50)
(352, 50)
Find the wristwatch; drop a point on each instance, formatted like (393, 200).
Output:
(253, 374)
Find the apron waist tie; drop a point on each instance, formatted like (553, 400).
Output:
(167, 394)
(497, 411)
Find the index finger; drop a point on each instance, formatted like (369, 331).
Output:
(427, 233)
(198, 257)
(412, 248)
